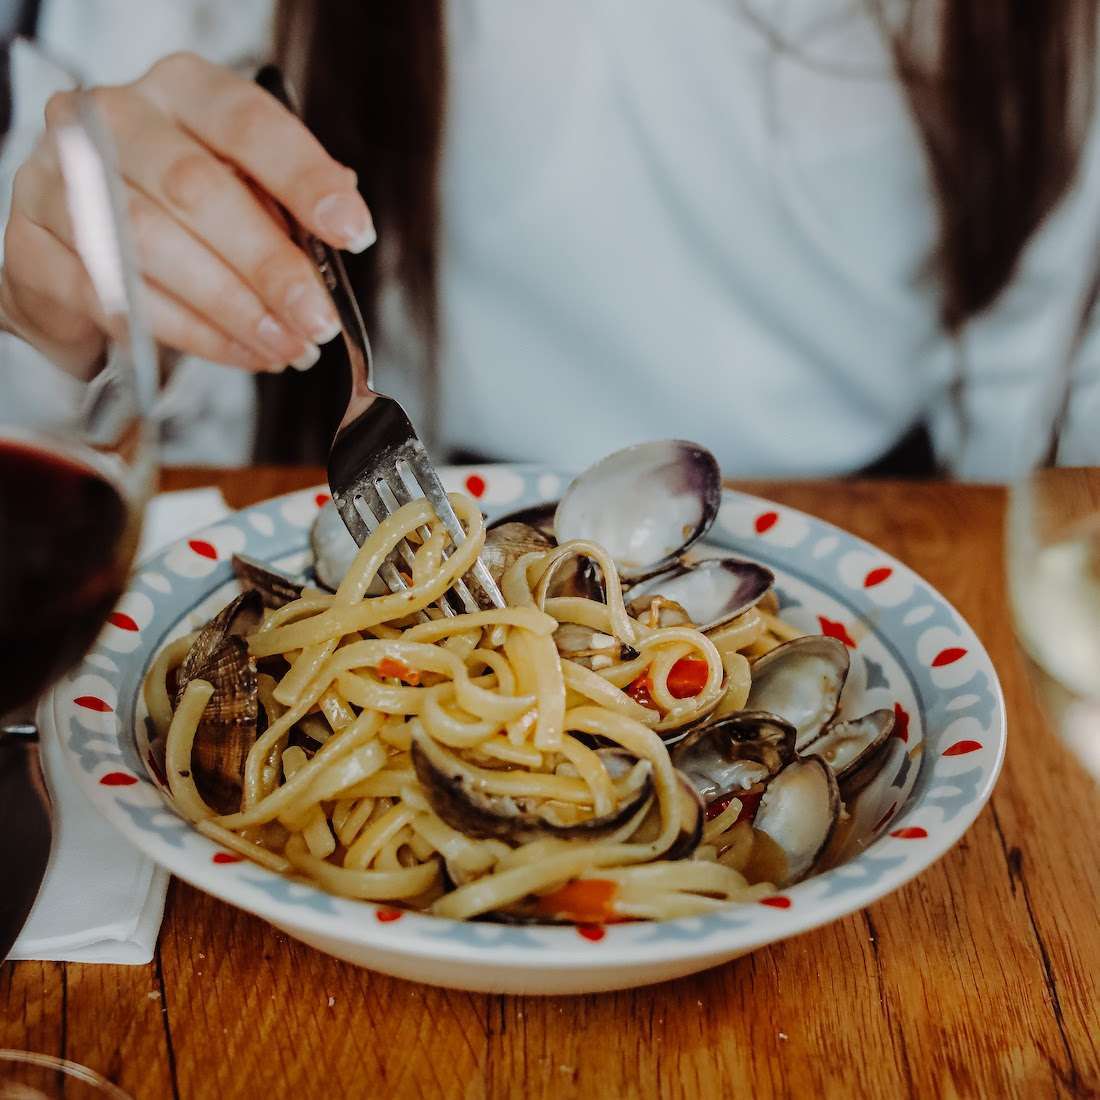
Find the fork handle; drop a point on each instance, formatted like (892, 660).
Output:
(333, 274)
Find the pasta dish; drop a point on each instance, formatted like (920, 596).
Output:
(586, 753)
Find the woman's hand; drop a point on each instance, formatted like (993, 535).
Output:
(202, 152)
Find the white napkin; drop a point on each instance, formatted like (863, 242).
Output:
(102, 901)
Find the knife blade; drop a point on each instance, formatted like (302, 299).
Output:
(26, 830)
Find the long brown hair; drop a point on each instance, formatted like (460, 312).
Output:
(1001, 91)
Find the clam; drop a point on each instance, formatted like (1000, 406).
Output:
(334, 550)
(506, 543)
(645, 505)
(586, 646)
(275, 587)
(735, 753)
(238, 618)
(713, 592)
(659, 611)
(456, 793)
(692, 817)
(538, 516)
(227, 728)
(798, 812)
(801, 681)
(333, 547)
(854, 748)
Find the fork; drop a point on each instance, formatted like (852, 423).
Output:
(377, 462)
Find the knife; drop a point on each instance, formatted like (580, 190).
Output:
(26, 830)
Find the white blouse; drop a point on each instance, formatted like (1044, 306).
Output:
(682, 220)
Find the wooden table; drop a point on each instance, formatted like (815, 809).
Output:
(980, 979)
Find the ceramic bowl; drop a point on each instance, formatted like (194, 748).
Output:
(911, 651)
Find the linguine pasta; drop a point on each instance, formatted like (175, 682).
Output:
(461, 764)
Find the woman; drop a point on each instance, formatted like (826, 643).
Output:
(794, 237)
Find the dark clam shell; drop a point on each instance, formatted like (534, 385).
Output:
(453, 793)
(275, 587)
(692, 816)
(735, 753)
(227, 729)
(855, 748)
(506, 543)
(239, 617)
(538, 516)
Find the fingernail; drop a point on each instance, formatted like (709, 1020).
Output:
(347, 220)
(277, 338)
(307, 359)
(313, 311)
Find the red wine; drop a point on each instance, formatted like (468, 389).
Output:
(66, 539)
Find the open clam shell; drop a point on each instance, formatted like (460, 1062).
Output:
(275, 587)
(801, 681)
(798, 812)
(238, 618)
(333, 547)
(334, 550)
(735, 753)
(854, 748)
(692, 817)
(713, 592)
(457, 796)
(538, 516)
(506, 543)
(645, 505)
(227, 729)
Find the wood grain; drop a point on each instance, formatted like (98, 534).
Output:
(979, 979)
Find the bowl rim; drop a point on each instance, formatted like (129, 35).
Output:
(132, 806)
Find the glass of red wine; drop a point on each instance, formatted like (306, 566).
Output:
(76, 467)
(75, 457)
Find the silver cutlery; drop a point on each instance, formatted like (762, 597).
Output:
(377, 461)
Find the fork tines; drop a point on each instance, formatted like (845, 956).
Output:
(403, 474)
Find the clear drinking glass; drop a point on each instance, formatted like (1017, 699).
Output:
(25, 1075)
(1054, 574)
(1053, 554)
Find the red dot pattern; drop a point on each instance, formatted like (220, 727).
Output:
(93, 702)
(901, 724)
(961, 748)
(948, 656)
(118, 779)
(877, 576)
(833, 629)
